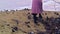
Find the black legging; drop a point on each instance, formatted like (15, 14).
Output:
(35, 18)
(40, 16)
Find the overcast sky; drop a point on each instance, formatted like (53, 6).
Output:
(20, 4)
(14, 4)
(51, 5)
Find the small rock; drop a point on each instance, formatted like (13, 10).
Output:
(8, 24)
(29, 16)
(31, 33)
(14, 29)
(42, 13)
(27, 22)
(1, 31)
(2, 26)
(56, 13)
(28, 26)
(45, 13)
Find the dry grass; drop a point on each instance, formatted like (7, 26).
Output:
(21, 16)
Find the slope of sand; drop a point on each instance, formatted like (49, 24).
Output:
(19, 19)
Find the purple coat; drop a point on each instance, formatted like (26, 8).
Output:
(37, 6)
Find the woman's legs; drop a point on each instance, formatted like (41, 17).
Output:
(35, 18)
(40, 16)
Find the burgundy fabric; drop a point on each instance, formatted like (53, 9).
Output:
(37, 6)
